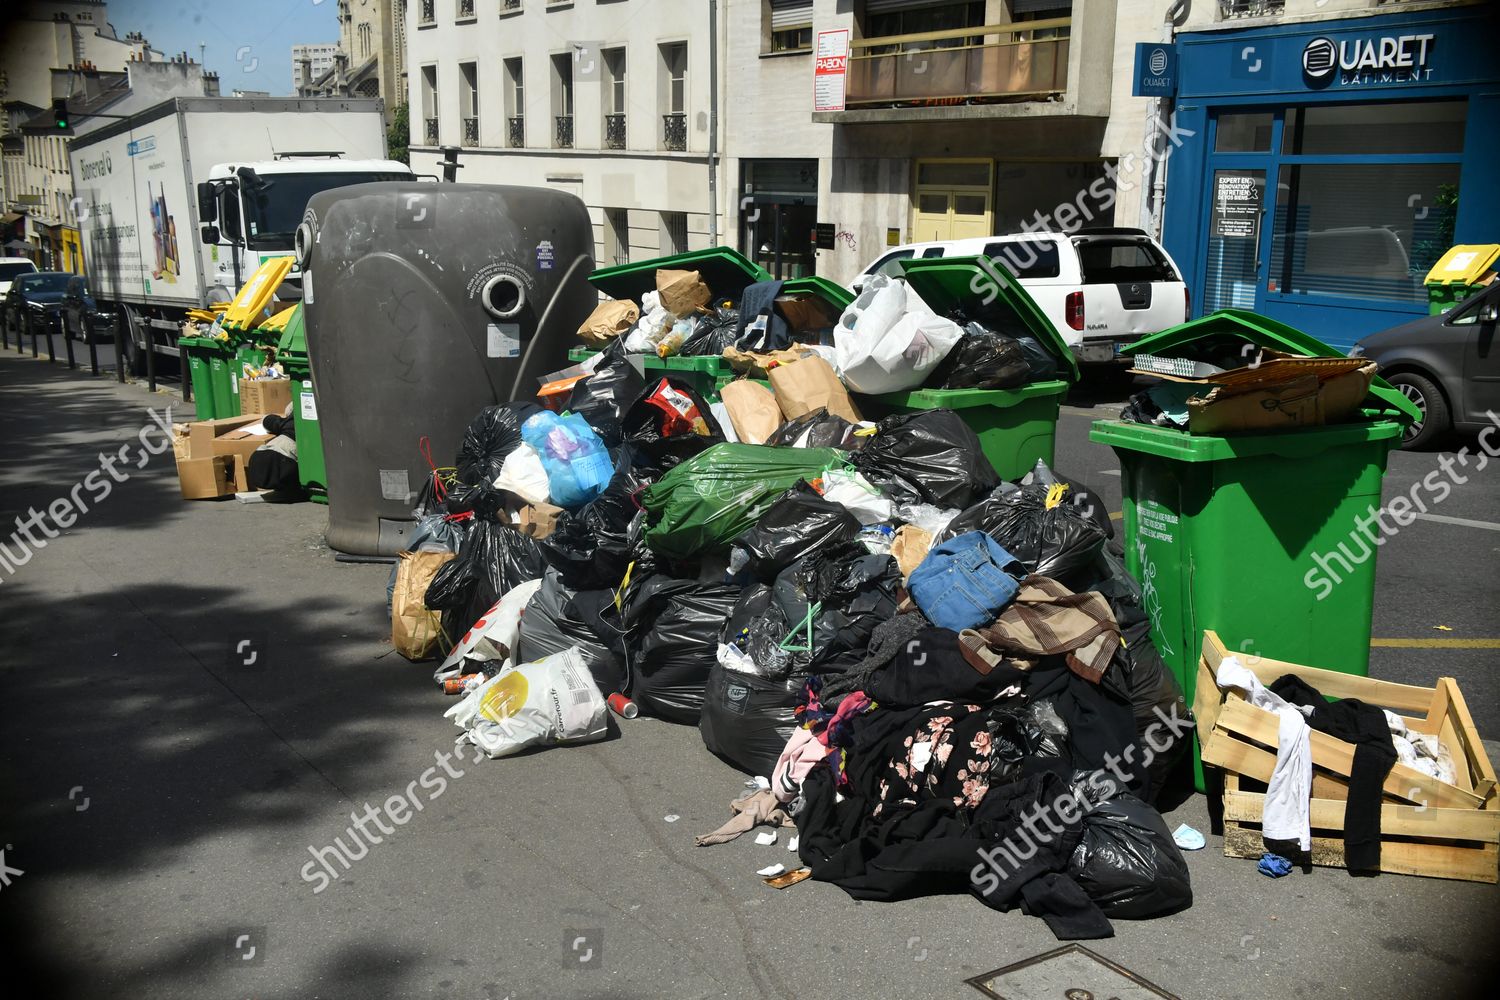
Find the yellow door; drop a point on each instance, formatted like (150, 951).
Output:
(951, 200)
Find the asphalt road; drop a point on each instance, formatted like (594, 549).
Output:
(160, 794)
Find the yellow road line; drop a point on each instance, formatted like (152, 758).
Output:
(1437, 643)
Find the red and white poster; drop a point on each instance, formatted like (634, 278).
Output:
(830, 70)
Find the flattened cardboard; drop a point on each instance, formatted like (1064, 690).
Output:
(1305, 401)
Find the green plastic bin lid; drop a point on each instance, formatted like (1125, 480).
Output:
(948, 283)
(835, 295)
(725, 271)
(1298, 443)
(1262, 331)
(294, 334)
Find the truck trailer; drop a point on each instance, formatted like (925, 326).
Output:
(180, 203)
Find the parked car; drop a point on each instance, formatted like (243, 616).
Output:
(1103, 289)
(10, 267)
(1448, 365)
(34, 301)
(81, 318)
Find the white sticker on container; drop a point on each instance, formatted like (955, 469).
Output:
(308, 402)
(504, 340)
(307, 296)
(395, 484)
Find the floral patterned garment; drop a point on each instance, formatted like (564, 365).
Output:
(955, 752)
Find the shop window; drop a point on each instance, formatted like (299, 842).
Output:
(1413, 127)
(1248, 132)
(1361, 230)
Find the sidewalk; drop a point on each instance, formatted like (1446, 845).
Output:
(163, 789)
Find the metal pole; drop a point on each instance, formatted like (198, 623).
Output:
(67, 341)
(713, 122)
(31, 325)
(150, 357)
(121, 319)
(88, 336)
(1154, 183)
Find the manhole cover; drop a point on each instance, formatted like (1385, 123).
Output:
(1069, 973)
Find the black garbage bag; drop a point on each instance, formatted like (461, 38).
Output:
(603, 397)
(817, 429)
(712, 333)
(928, 457)
(801, 521)
(758, 626)
(490, 437)
(1042, 363)
(856, 591)
(492, 559)
(746, 719)
(983, 359)
(676, 624)
(1127, 862)
(590, 546)
(1061, 542)
(1085, 500)
(548, 627)
(667, 424)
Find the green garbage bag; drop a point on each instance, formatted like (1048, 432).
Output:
(704, 503)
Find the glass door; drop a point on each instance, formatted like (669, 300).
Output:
(1234, 239)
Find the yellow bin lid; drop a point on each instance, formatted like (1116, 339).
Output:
(1464, 264)
(250, 304)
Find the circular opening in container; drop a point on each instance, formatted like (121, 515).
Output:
(302, 242)
(503, 297)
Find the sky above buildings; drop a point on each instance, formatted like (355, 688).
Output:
(248, 44)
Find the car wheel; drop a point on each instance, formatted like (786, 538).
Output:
(1427, 397)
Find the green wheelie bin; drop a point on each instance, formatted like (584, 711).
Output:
(199, 352)
(1255, 535)
(292, 352)
(223, 379)
(1016, 427)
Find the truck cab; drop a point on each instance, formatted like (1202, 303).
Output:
(249, 212)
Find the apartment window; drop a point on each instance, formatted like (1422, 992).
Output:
(790, 25)
(468, 101)
(465, 9)
(902, 17)
(429, 12)
(429, 105)
(562, 100)
(515, 103)
(674, 95)
(673, 233)
(1229, 9)
(616, 236)
(614, 98)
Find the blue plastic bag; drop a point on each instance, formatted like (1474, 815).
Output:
(577, 463)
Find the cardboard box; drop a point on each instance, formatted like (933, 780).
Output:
(236, 443)
(538, 519)
(265, 396)
(206, 478)
(203, 432)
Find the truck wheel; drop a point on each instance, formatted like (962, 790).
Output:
(1436, 420)
(135, 356)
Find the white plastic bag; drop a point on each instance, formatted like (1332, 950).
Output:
(524, 475)
(648, 331)
(495, 628)
(858, 495)
(546, 703)
(876, 358)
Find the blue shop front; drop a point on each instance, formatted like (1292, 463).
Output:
(1330, 164)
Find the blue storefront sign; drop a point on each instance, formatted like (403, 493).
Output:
(1155, 69)
(1331, 163)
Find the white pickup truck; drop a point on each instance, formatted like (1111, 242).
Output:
(1103, 289)
(180, 203)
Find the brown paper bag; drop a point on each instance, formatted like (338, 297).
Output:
(607, 321)
(753, 410)
(811, 384)
(909, 548)
(415, 629)
(682, 292)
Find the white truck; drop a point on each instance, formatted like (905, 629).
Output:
(180, 203)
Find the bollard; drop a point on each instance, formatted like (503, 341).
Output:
(93, 348)
(67, 342)
(31, 327)
(119, 325)
(150, 357)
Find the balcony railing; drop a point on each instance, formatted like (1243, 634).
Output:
(429, 12)
(614, 131)
(674, 131)
(431, 131)
(564, 133)
(465, 8)
(987, 63)
(471, 132)
(517, 132)
(1230, 9)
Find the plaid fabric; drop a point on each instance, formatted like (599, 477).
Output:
(1046, 619)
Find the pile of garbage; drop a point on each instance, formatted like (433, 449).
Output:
(945, 680)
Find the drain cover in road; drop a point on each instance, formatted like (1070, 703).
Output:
(1069, 973)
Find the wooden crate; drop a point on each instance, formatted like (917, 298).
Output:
(1428, 827)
